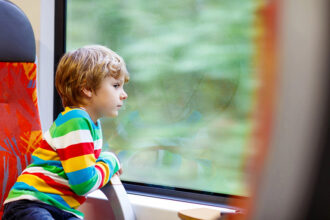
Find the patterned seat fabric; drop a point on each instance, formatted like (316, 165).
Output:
(20, 129)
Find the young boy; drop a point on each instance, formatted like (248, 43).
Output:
(69, 164)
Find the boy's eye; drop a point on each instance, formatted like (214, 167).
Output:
(116, 85)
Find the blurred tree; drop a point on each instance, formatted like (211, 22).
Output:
(188, 115)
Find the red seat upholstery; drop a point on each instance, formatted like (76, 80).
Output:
(20, 130)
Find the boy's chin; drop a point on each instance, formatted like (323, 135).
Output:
(112, 114)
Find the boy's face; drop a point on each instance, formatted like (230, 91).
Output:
(109, 98)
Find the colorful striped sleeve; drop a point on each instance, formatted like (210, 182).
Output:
(110, 159)
(74, 144)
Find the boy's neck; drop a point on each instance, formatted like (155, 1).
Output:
(91, 113)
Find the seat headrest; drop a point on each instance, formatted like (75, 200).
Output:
(17, 43)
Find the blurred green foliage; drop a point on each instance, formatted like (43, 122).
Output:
(187, 120)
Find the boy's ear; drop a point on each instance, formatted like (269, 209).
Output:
(87, 92)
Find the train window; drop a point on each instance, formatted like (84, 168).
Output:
(189, 120)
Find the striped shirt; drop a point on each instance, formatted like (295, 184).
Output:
(67, 165)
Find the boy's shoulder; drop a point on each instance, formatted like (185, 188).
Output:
(71, 113)
(73, 125)
(75, 118)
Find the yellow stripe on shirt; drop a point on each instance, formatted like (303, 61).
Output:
(37, 183)
(78, 163)
(71, 201)
(106, 171)
(46, 154)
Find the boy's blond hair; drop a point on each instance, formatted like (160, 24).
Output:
(86, 67)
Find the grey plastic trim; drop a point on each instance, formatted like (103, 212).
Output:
(118, 199)
(17, 42)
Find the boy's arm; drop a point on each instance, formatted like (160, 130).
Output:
(75, 148)
(109, 164)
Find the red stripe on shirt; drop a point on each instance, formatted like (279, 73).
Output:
(76, 150)
(44, 145)
(97, 153)
(66, 190)
(102, 174)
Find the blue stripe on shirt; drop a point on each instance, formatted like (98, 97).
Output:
(80, 176)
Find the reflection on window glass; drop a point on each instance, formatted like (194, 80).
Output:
(188, 120)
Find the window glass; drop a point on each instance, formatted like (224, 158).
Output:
(188, 120)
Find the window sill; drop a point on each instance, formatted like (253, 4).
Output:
(146, 207)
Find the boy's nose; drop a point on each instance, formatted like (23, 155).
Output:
(123, 96)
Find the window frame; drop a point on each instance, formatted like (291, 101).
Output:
(158, 191)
